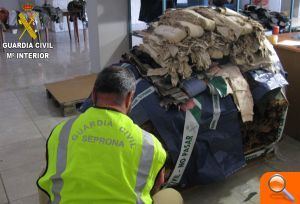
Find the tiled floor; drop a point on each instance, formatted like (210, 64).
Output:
(27, 117)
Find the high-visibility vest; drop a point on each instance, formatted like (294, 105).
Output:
(101, 157)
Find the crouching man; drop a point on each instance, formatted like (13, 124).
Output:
(101, 156)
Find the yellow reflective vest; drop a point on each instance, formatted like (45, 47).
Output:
(101, 157)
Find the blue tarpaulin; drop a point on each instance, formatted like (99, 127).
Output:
(218, 152)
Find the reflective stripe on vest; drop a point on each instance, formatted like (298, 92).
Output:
(144, 165)
(61, 160)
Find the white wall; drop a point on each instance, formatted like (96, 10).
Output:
(243, 3)
(275, 5)
(135, 13)
(108, 31)
(10, 4)
(286, 7)
(62, 27)
(296, 8)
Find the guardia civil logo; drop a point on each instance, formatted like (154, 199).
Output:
(27, 21)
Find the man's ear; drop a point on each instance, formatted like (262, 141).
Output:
(94, 97)
(128, 99)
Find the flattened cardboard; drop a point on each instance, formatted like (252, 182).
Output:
(72, 90)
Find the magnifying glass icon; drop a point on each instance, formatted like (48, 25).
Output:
(277, 184)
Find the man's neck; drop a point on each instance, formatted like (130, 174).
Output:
(111, 107)
(108, 100)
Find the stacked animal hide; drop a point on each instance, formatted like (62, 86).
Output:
(188, 48)
(191, 39)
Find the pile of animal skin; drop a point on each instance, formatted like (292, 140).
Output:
(190, 50)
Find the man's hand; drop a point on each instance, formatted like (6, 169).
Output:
(160, 180)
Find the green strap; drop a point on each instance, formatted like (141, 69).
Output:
(190, 133)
